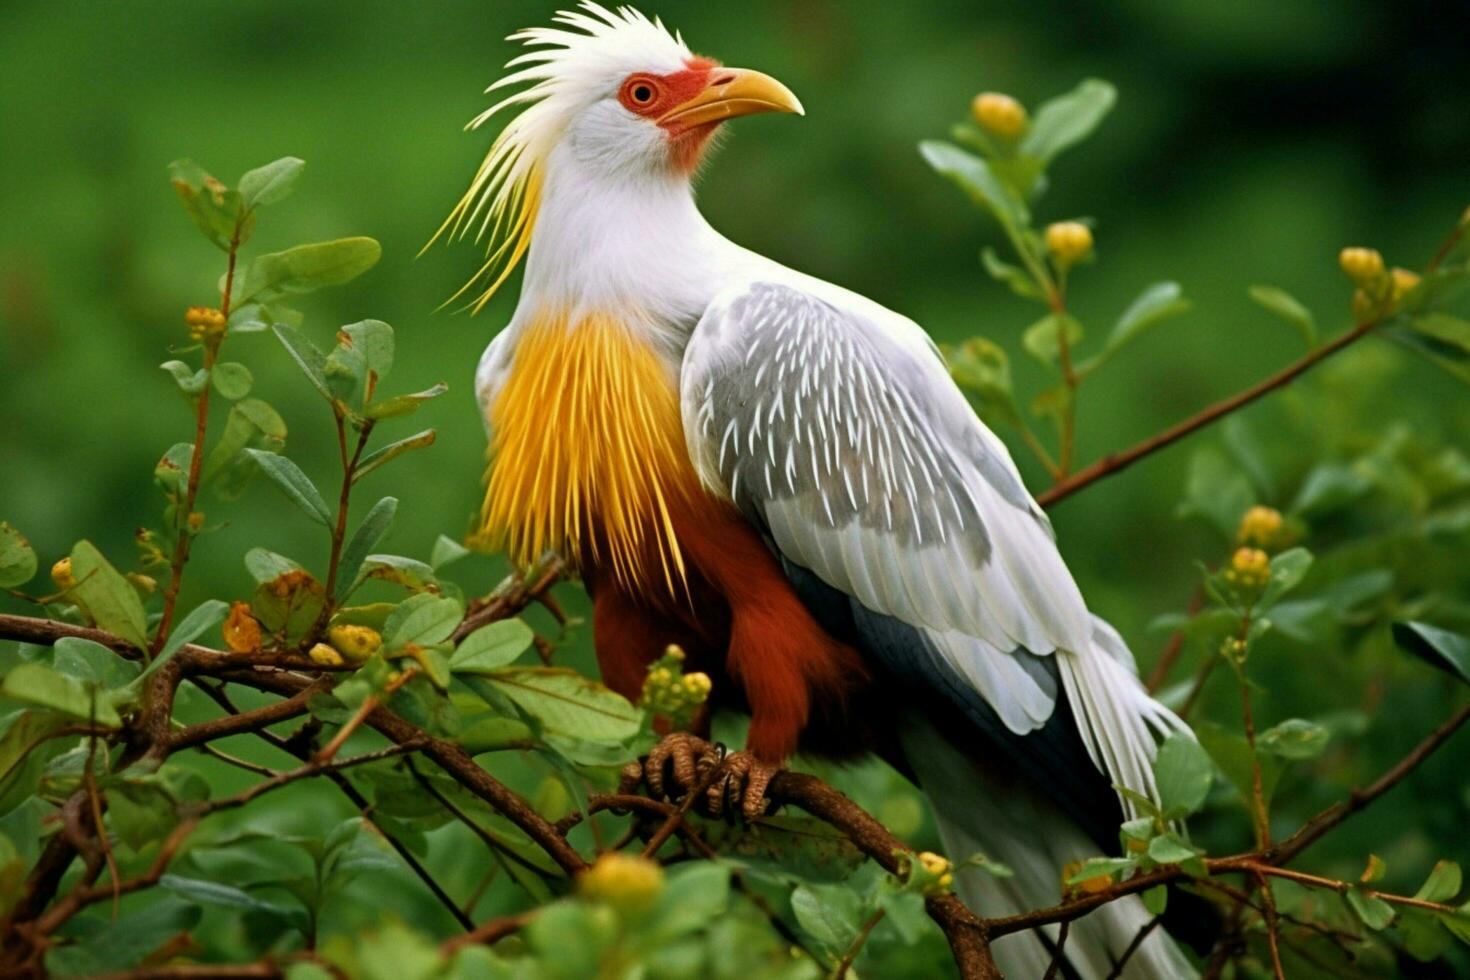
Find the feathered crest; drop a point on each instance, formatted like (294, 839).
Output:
(566, 70)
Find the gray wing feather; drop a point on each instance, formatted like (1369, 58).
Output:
(833, 423)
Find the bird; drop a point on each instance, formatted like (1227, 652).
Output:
(779, 476)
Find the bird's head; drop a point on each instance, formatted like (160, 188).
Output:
(612, 90)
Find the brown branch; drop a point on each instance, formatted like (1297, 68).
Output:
(1117, 971)
(198, 971)
(511, 596)
(246, 722)
(490, 932)
(185, 508)
(304, 753)
(1059, 953)
(1315, 828)
(1119, 461)
(1273, 924)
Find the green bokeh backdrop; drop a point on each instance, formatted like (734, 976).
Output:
(1252, 140)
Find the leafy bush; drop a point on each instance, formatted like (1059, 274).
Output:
(447, 797)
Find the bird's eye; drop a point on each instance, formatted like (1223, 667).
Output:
(639, 93)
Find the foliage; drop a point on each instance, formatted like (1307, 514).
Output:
(210, 863)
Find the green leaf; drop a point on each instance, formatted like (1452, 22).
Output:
(228, 896)
(289, 604)
(1450, 652)
(114, 945)
(1287, 571)
(307, 267)
(410, 573)
(232, 380)
(25, 748)
(491, 647)
(568, 703)
(392, 451)
(404, 404)
(37, 684)
(1232, 753)
(265, 565)
(975, 177)
(832, 917)
(1154, 305)
(109, 599)
(1216, 491)
(697, 893)
(17, 558)
(1286, 306)
(270, 183)
(206, 616)
(983, 372)
(1374, 911)
(446, 551)
(1013, 276)
(1156, 899)
(1182, 772)
(251, 424)
(190, 381)
(1294, 739)
(1043, 338)
(1443, 883)
(214, 207)
(1329, 487)
(312, 361)
(1171, 849)
(294, 483)
(423, 619)
(1098, 867)
(364, 351)
(369, 535)
(1068, 119)
(1445, 352)
(491, 733)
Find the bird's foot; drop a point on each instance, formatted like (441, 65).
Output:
(741, 783)
(681, 764)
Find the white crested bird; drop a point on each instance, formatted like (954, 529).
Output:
(779, 475)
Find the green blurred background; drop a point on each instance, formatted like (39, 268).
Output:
(1252, 139)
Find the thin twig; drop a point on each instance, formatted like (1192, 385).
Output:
(1138, 938)
(1059, 952)
(1273, 925)
(858, 941)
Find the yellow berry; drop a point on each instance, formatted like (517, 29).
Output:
(622, 880)
(145, 584)
(935, 864)
(61, 574)
(675, 651)
(999, 114)
(1250, 568)
(1068, 241)
(1260, 527)
(1363, 265)
(322, 654)
(698, 683)
(196, 521)
(946, 880)
(1404, 282)
(356, 643)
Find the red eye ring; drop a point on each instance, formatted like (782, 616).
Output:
(640, 93)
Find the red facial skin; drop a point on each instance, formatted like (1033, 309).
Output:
(651, 96)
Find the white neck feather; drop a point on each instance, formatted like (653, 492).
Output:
(631, 243)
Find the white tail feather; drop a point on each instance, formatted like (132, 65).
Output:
(994, 811)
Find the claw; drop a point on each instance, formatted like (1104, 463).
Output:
(676, 765)
(742, 783)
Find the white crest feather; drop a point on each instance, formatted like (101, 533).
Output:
(567, 69)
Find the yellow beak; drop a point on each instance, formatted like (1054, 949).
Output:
(733, 92)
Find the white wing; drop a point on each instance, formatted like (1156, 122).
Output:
(833, 422)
